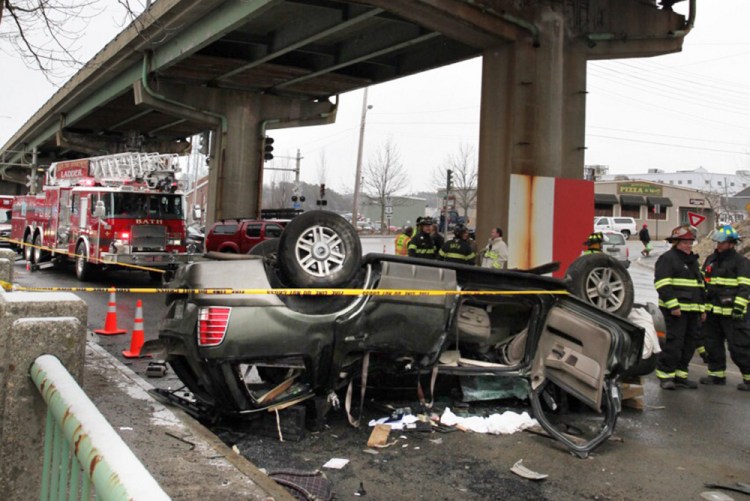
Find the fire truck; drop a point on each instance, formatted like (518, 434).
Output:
(114, 211)
(6, 204)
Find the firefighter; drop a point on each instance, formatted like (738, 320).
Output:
(458, 250)
(727, 276)
(594, 243)
(422, 245)
(402, 241)
(495, 253)
(679, 283)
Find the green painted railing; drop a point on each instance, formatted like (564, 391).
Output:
(83, 455)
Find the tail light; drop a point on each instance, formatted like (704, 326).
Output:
(212, 325)
(123, 235)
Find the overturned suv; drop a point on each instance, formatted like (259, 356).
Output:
(269, 346)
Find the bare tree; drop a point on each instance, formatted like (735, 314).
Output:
(463, 163)
(384, 176)
(44, 33)
(281, 185)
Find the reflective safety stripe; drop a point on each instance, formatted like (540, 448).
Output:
(678, 282)
(746, 377)
(692, 307)
(681, 374)
(743, 280)
(701, 350)
(664, 375)
(454, 255)
(727, 282)
(718, 310)
(717, 373)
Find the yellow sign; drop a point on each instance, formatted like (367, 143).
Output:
(639, 188)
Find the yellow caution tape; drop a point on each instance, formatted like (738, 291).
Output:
(292, 292)
(6, 285)
(76, 256)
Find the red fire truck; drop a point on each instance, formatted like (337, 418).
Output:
(6, 203)
(115, 211)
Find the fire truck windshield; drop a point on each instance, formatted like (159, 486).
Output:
(143, 205)
(4, 216)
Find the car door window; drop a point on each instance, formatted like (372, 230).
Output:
(253, 230)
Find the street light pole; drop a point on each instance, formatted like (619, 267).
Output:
(358, 175)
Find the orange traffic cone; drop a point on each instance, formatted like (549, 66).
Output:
(136, 340)
(110, 323)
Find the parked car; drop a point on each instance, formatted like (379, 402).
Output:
(239, 236)
(616, 245)
(624, 225)
(244, 353)
(195, 240)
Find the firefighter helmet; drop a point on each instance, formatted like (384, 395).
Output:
(725, 234)
(426, 220)
(683, 232)
(459, 230)
(595, 238)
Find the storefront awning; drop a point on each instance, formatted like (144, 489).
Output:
(605, 198)
(663, 201)
(632, 200)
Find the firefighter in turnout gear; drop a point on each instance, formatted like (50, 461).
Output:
(458, 250)
(678, 280)
(402, 241)
(727, 276)
(422, 245)
(594, 243)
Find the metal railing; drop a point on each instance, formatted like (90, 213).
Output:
(83, 455)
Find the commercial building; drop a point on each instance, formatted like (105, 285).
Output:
(662, 206)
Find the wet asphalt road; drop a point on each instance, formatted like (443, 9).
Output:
(680, 441)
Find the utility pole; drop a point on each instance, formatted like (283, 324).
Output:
(358, 174)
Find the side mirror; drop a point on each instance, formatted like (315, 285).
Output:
(99, 210)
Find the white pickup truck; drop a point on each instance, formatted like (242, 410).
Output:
(625, 225)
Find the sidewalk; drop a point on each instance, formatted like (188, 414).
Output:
(186, 459)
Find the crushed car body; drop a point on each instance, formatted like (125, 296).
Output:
(243, 353)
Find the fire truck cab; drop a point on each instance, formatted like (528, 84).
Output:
(121, 210)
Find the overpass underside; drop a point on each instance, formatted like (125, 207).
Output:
(240, 68)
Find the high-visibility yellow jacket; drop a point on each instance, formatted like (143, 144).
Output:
(402, 241)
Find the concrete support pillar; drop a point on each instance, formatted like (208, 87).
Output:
(239, 119)
(532, 119)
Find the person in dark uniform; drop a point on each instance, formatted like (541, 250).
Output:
(645, 239)
(679, 282)
(727, 275)
(437, 237)
(422, 245)
(458, 250)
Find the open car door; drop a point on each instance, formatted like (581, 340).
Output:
(583, 350)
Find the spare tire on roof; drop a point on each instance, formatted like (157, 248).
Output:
(319, 249)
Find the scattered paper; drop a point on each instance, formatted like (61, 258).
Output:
(126, 428)
(336, 463)
(397, 424)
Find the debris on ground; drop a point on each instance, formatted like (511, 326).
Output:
(379, 435)
(336, 463)
(520, 470)
(497, 424)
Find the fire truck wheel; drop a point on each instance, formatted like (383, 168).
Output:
(84, 269)
(28, 250)
(39, 255)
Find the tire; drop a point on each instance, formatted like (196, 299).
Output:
(626, 234)
(39, 255)
(28, 251)
(602, 281)
(319, 249)
(84, 269)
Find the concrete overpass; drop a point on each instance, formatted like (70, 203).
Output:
(240, 67)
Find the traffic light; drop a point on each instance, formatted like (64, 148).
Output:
(449, 183)
(267, 148)
(322, 200)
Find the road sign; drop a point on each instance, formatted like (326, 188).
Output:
(388, 209)
(695, 219)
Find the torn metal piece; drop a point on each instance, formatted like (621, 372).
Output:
(191, 444)
(520, 470)
(739, 487)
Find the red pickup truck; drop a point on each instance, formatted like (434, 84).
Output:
(239, 236)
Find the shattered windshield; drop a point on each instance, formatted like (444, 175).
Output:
(143, 205)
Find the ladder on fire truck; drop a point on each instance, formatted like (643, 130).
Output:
(124, 167)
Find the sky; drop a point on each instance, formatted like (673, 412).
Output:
(676, 112)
